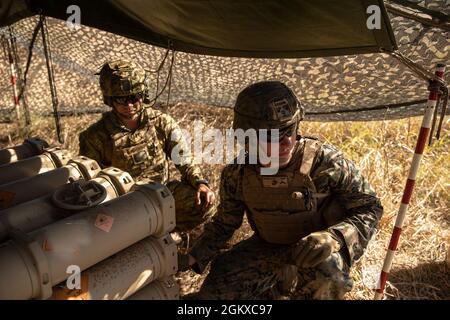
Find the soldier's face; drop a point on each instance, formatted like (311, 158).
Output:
(128, 110)
(284, 148)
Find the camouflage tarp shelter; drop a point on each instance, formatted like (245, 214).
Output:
(340, 69)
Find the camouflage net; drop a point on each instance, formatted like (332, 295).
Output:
(357, 87)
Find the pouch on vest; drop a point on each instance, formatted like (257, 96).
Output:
(284, 210)
(281, 228)
(138, 153)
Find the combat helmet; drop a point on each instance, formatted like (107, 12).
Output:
(120, 78)
(267, 105)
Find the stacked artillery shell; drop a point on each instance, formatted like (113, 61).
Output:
(126, 273)
(114, 236)
(29, 188)
(38, 213)
(49, 160)
(29, 148)
(142, 271)
(105, 242)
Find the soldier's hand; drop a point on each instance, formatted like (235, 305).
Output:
(205, 195)
(315, 248)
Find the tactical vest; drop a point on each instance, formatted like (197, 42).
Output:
(141, 153)
(286, 207)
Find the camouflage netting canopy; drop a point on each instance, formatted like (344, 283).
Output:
(321, 48)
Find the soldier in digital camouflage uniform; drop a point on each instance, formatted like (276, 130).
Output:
(139, 139)
(311, 220)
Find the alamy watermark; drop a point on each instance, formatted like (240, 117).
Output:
(212, 146)
(370, 276)
(374, 19)
(74, 280)
(73, 22)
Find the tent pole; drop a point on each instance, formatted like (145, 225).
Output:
(409, 187)
(21, 95)
(51, 78)
(13, 78)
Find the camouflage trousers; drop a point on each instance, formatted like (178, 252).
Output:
(254, 269)
(188, 214)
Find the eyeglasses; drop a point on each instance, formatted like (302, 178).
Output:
(128, 99)
(285, 132)
(288, 132)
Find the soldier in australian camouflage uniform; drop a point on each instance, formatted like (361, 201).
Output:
(139, 139)
(312, 219)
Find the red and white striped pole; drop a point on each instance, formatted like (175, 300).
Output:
(13, 79)
(409, 187)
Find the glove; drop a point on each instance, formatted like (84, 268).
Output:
(315, 248)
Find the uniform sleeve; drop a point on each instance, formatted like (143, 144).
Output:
(177, 149)
(89, 147)
(226, 221)
(363, 210)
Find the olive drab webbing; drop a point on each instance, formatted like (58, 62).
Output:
(137, 152)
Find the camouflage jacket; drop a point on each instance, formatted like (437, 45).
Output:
(143, 152)
(331, 173)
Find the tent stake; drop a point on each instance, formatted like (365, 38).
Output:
(409, 187)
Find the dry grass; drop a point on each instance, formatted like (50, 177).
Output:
(383, 151)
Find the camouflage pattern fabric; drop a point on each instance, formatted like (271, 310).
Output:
(253, 268)
(121, 78)
(188, 214)
(144, 154)
(352, 83)
(331, 173)
(110, 143)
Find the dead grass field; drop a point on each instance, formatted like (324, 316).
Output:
(383, 151)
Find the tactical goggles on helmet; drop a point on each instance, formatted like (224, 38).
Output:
(128, 99)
